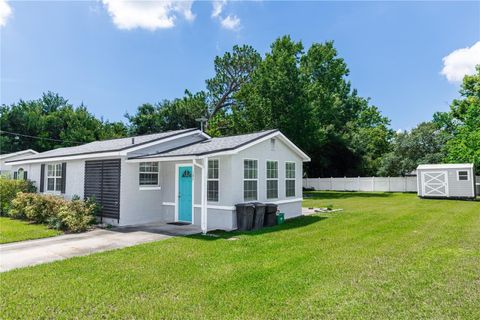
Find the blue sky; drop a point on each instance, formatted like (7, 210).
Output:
(114, 57)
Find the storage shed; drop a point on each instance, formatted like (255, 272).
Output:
(446, 180)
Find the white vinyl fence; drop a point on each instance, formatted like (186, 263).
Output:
(394, 184)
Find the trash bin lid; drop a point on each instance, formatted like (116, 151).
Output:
(244, 205)
(258, 204)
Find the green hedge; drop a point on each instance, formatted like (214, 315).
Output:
(9, 189)
(69, 215)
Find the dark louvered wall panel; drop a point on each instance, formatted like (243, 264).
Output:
(102, 180)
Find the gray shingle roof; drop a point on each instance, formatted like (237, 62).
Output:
(212, 145)
(105, 145)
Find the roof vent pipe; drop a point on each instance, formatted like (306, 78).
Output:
(133, 140)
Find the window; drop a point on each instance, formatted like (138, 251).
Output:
(463, 176)
(250, 180)
(212, 180)
(148, 174)
(272, 179)
(290, 179)
(20, 174)
(54, 177)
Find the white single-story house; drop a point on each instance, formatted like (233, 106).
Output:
(6, 169)
(175, 176)
(449, 180)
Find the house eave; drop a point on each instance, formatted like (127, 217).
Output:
(106, 154)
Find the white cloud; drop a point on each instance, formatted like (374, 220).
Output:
(231, 22)
(5, 12)
(149, 15)
(218, 8)
(461, 62)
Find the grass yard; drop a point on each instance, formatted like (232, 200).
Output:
(386, 256)
(15, 230)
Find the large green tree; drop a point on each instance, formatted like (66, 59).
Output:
(464, 121)
(423, 144)
(51, 122)
(169, 114)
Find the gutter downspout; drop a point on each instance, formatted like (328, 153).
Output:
(203, 203)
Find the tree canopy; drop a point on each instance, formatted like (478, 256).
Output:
(51, 122)
(304, 92)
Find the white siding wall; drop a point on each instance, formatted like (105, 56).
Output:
(139, 206)
(74, 181)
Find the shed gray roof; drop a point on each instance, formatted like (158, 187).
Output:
(105, 145)
(212, 145)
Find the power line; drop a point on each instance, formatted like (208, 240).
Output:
(37, 137)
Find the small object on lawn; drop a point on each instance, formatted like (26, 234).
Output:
(326, 210)
(233, 239)
(212, 235)
(280, 218)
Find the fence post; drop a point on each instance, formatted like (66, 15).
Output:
(345, 183)
(389, 184)
(404, 184)
(373, 183)
(331, 183)
(358, 183)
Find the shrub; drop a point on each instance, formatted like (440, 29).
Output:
(76, 215)
(20, 204)
(69, 215)
(9, 189)
(43, 207)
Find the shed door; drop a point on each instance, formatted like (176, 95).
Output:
(435, 184)
(102, 181)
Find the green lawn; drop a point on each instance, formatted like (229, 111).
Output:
(16, 230)
(385, 256)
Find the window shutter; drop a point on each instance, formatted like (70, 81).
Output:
(64, 176)
(42, 177)
(25, 175)
(15, 175)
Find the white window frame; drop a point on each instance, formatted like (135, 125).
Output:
(149, 186)
(463, 170)
(214, 179)
(54, 177)
(289, 179)
(271, 179)
(243, 180)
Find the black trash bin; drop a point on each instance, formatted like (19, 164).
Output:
(270, 215)
(245, 214)
(259, 215)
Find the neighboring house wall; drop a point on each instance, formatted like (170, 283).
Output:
(456, 188)
(9, 169)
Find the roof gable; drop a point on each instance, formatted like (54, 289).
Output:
(224, 145)
(18, 153)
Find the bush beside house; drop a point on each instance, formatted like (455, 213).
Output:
(18, 200)
(69, 215)
(9, 189)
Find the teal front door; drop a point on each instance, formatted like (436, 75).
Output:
(185, 193)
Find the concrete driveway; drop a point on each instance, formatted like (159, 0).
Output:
(32, 252)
